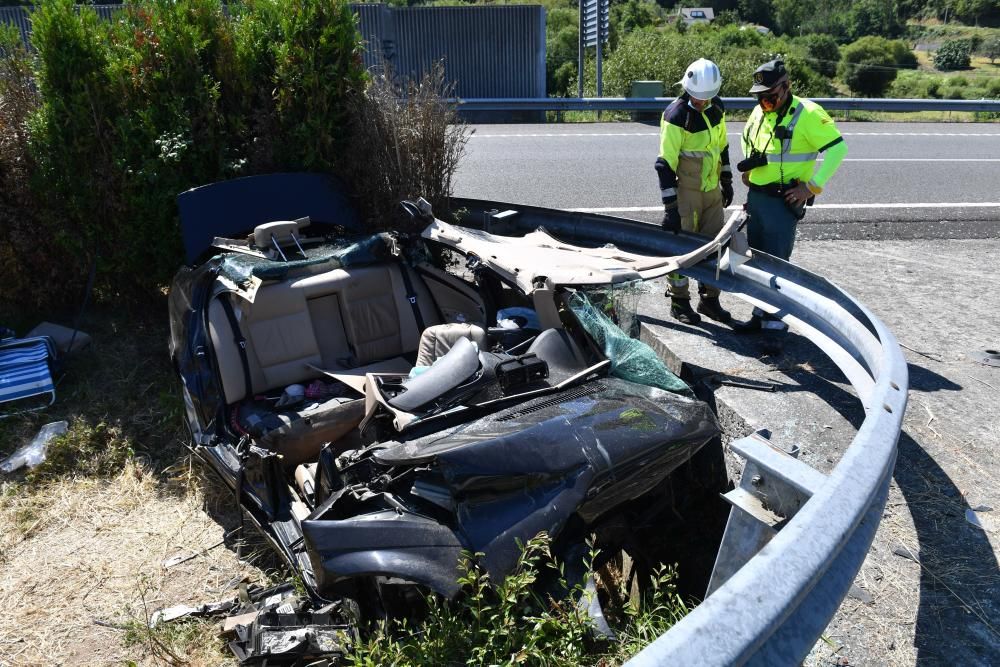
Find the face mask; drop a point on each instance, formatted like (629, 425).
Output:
(769, 100)
(698, 105)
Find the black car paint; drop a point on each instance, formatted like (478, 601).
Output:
(511, 479)
(511, 474)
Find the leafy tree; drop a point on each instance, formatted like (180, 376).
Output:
(874, 17)
(868, 66)
(991, 49)
(953, 54)
(736, 37)
(171, 95)
(561, 49)
(634, 14)
(902, 54)
(824, 54)
(789, 14)
(727, 17)
(757, 11)
(660, 55)
(970, 11)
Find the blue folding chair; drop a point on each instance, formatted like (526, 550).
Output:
(25, 370)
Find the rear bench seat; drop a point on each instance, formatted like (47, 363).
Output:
(335, 320)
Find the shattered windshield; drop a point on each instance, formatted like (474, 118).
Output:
(631, 359)
(240, 267)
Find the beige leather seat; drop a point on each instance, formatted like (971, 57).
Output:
(435, 341)
(333, 320)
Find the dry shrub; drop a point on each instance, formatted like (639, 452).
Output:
(405, 141)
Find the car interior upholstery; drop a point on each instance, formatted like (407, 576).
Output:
(346, 319)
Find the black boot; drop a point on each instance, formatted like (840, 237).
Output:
(753, 325)
(680, 310)
(710, 307)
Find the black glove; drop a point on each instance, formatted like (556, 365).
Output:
(671, 218)
(726, 183)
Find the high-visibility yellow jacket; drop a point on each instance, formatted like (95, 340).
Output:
(793, 157)
(688, 134)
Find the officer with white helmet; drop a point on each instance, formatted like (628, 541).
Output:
(696, 182)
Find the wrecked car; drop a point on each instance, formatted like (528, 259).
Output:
(381, 403)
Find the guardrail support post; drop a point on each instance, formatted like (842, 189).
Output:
(774, 485)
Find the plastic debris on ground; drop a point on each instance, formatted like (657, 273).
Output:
(33, 453)
(277, 638)
(631, 359)
(275, 626)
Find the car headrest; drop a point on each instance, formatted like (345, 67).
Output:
(284, 232)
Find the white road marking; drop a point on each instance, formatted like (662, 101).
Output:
(920, 159)
(650, 209)
(921, 134)
(478, 135)
(568, 134)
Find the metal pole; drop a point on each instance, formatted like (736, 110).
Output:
(580, 52)
(600, 39)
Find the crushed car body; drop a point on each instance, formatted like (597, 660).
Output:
(377, 414)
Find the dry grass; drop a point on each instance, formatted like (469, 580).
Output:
(82, 568)
(83, 537)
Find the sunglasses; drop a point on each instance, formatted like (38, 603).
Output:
(771, 97)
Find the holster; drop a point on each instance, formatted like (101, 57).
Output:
(779, 190)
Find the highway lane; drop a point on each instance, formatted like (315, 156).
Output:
(900, 180)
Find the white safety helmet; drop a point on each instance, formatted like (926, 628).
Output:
(702, 79)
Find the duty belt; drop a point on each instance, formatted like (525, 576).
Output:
(774, 189)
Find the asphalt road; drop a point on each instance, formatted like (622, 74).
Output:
(899, 181)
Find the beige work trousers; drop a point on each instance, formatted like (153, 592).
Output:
(701, 213)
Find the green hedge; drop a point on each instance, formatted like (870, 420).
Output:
(168, 96)
(652, 54)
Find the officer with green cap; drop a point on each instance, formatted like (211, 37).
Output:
(782, 139)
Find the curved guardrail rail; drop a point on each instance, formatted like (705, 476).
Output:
(658, 104)
(773, 608)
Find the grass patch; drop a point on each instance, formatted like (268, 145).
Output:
(184, 641)
(911, 116)
(83, 536)
(531, 617)
(180, 642)
(120, 396)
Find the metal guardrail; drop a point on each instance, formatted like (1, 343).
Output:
(660, 103)
(772, 610)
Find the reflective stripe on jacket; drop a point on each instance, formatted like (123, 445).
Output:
(688, 134)
(811, 132)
